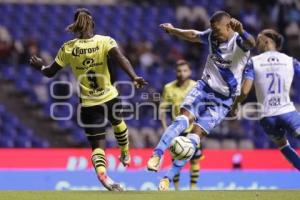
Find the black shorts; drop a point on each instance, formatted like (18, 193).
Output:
(94, 119)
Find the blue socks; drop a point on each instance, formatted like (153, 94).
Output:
(291, 155)
(178, 126)
(177, 165)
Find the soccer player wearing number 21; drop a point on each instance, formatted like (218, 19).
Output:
(272, 73)
(88, 56)
(207, 104)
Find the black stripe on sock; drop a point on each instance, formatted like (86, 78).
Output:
(98, 154)
(121, 136)
(100, 161)
(100, 164)
(123, 140)
(120, 133)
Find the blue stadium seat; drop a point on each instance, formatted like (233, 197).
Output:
(22, 142)
(39, 143)
(6, 142)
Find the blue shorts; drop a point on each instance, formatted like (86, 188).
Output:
(208, 107)
(277, 126)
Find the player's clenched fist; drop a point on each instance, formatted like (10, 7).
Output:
(167, 27)
(236, 25)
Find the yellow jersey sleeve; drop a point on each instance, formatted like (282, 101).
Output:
(109, 44)
(61, 57)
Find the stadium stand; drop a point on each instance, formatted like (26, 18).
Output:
(135, 26)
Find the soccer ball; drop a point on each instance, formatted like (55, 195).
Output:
(181, 148)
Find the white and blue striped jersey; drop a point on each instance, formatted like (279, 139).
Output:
(225, 63)
(273, 73)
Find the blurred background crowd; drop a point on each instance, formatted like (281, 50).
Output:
(39, 29)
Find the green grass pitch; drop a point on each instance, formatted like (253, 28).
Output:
(183, 195)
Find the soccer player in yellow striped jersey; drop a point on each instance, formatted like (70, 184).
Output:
(172, 96)
(88, 56)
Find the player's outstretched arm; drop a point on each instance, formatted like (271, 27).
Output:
(48, 71)
(245, 90)
(248, 41)
(190, 35)
(116, 55)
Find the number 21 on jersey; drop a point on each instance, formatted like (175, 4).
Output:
(274, 83)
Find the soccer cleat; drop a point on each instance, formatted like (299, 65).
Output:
(109, 184)
(153, 163)
(125, 158)
(164, 184)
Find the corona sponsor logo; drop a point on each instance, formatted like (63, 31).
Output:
(79, 51)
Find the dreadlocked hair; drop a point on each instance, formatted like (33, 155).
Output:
(83, 20)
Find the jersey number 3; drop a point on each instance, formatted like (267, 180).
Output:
(273, 87)
(92, 78)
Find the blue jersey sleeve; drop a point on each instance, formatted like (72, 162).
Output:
(242, 37)
(249, 71)
(296, 64)
(203, 36)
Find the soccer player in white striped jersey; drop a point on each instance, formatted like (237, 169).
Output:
(207, 104)
(272, 74)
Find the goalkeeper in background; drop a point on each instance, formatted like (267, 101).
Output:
(173, 95)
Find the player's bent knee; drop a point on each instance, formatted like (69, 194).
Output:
(199, 131)
(189, 115)
(184, 119)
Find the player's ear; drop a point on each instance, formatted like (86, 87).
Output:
(266, 42)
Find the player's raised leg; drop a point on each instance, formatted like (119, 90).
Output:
(120, 130)
(121, 135)
(114, 115)
(180, 124)
(177, 165)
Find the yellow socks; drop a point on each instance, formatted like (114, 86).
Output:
(121, 134)
(99, 161)
(194, 173)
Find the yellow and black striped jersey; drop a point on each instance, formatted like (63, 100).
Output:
(173, 95)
